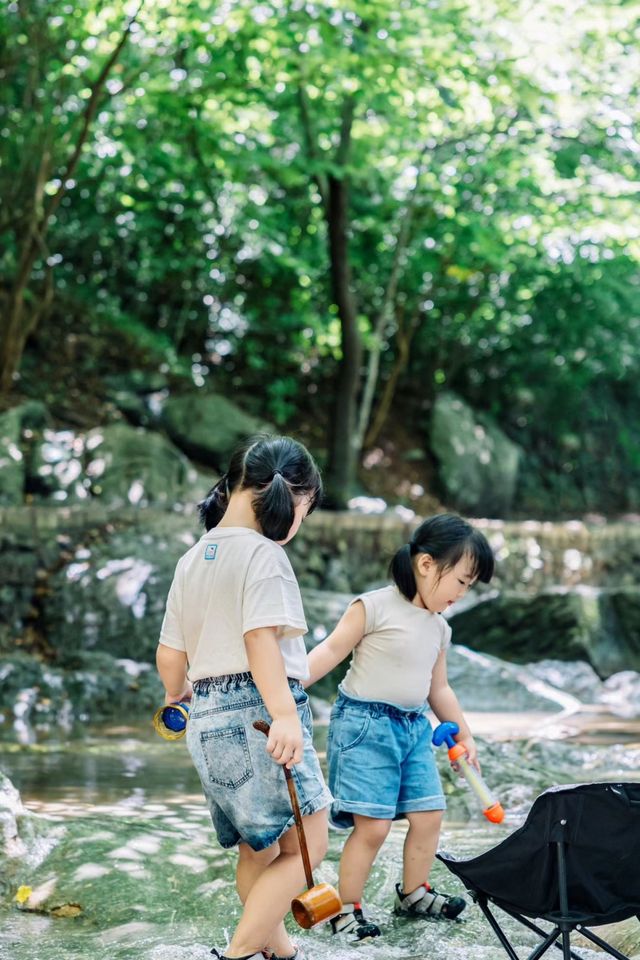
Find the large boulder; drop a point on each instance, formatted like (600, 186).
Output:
(584, 623)
(208, 427)
(118, 463)
(130, 465)
(111, 596)
(477, 463)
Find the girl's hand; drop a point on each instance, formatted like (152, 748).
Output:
(285, 743)
(472, 750)
(185, 696)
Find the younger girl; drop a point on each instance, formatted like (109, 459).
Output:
(380, 758)
(233, 626)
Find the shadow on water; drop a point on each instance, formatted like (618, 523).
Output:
(118, 826)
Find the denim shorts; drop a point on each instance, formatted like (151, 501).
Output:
(245, 789)
(381, 761)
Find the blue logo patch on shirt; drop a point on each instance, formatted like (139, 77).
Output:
(210, 551)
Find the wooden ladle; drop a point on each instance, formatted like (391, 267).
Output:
(320, 901)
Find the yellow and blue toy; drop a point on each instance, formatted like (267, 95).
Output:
(170, 721)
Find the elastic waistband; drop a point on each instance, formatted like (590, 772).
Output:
(234, 681)
(378, 708)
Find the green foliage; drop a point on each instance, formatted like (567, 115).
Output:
(492, 168)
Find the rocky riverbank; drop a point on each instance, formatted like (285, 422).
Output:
(83, 587)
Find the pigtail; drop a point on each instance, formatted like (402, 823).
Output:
(274, 508)
(212, 509)
(446, 538)
(279, 471)
(401, 569)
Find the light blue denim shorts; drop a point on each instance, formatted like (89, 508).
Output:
(381, 761)
(245, 789)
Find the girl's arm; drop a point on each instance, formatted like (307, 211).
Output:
(339, 644)
(172, 667)
(444, 704)
(285, 743)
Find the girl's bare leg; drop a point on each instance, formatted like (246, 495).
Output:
(269, 896)
(251, 864)
(358, 855)
(420, 845)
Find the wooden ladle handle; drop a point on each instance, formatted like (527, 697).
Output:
(264, 727)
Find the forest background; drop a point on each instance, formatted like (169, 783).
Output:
(335, 214)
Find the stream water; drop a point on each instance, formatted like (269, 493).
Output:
(115, 822)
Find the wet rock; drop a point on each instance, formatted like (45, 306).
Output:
(25, 840)
(599, 626)
(486, 683)
(579, 680)
(111, 595)
(91, 686)
(11, 810)
(621, 693)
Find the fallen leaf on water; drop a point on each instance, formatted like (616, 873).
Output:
(66, 910)
(23, 894)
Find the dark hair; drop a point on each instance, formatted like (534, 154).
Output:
(447, 538)
(278, 469)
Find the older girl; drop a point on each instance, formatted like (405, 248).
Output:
(233, 628)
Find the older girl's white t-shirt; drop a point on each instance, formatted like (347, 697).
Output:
(394, 661)
(232, 581)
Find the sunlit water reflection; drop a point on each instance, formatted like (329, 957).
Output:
(124, 833)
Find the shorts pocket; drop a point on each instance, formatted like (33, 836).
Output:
(353, 729)
(226, 756)
(306, 717)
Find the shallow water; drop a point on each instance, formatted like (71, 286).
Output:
(127, 837)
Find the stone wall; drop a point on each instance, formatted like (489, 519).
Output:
(344, 552)
(83, 588)
(352, 551)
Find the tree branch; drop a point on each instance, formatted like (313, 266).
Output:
(311, 144)
(92, 106)
(386, 307)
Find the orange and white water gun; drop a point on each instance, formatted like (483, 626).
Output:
(491, 806)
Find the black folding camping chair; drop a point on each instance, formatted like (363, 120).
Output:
(575, 863)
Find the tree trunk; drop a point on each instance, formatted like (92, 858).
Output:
(14, 335)
(403, 339)
(343, 445)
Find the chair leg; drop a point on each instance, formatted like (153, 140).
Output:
(497, 929)
(546, 944)
(603, 944)
(543, 933)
